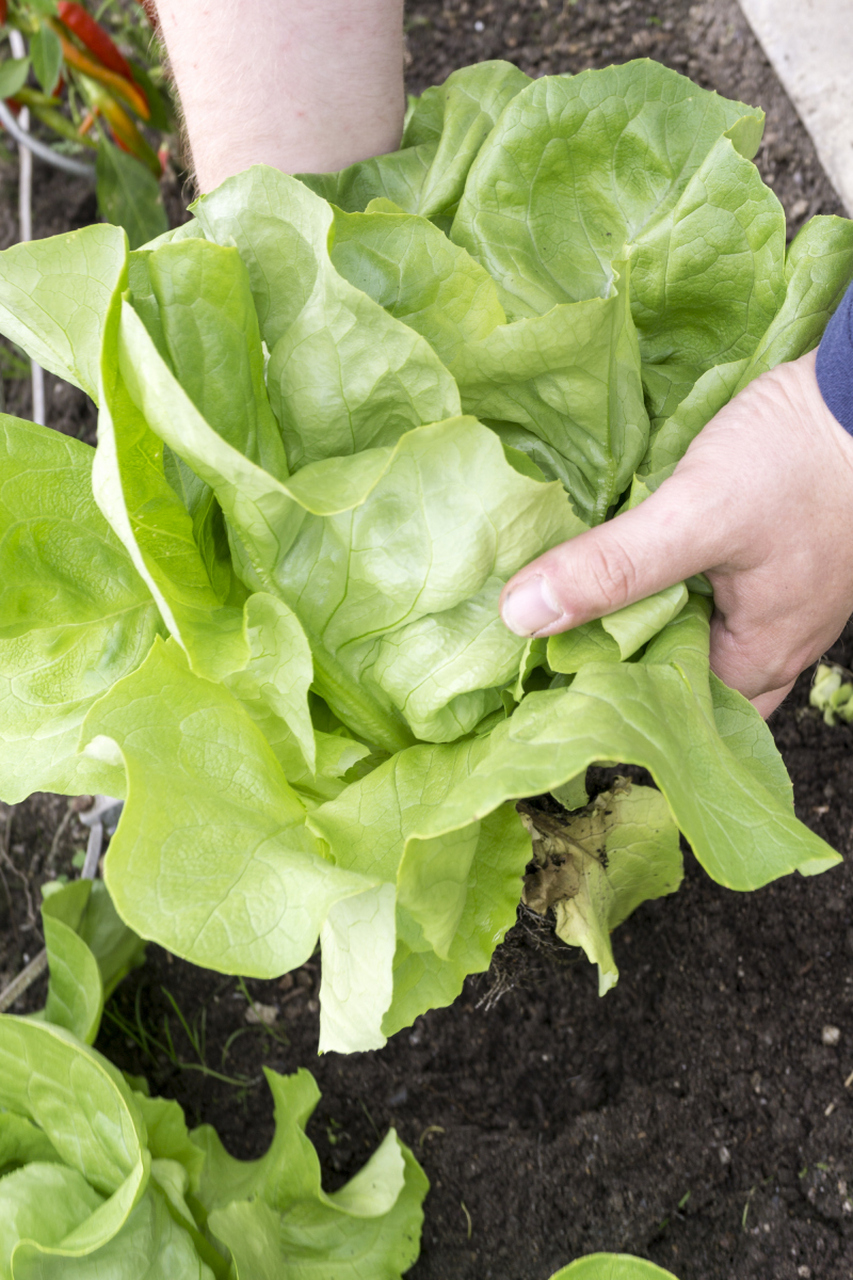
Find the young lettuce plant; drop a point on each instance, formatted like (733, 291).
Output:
(612, 1266)
(336, 413)
(98, 1178)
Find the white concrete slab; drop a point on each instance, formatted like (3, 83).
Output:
(810, 44)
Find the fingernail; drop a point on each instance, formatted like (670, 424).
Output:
(530, 606)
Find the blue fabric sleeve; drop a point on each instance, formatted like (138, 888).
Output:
(835, 363)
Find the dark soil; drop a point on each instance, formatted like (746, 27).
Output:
(695, 1116)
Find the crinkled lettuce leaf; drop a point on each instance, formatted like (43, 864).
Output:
(238, 882)
(99, 1179)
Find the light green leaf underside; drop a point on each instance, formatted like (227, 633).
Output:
(457, 892)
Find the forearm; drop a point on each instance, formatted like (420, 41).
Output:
(302, 87)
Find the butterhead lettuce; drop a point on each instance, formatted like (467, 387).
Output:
(336, 414)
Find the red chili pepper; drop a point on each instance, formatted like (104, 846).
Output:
(4, 10)
(127, 90)
(93, 36)
(126, 134)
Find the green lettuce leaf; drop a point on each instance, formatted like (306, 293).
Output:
(425, 980)
(408, 266)
(97, 1180)
(23, 1195)
(87, 1113)
(612, 1266)
(48, 1076)
(89, 951)
(617, 636)
(652, 171)
(456, 893)
(22, 1141)
(568, 380)
(641, 160)
(275, 1218)
(75, 616)
(344, 376)
(818, 268)
(444, 131)
(55, 295)
(658, 713)
(219, 886)
(197, 304)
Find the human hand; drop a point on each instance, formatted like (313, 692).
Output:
(762, 502)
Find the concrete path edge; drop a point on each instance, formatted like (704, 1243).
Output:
(810, 45)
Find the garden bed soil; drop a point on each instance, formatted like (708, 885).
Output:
(700, 1114)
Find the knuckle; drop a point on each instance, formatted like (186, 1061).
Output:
(611, 574)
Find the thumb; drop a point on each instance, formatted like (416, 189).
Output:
(667, 538)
